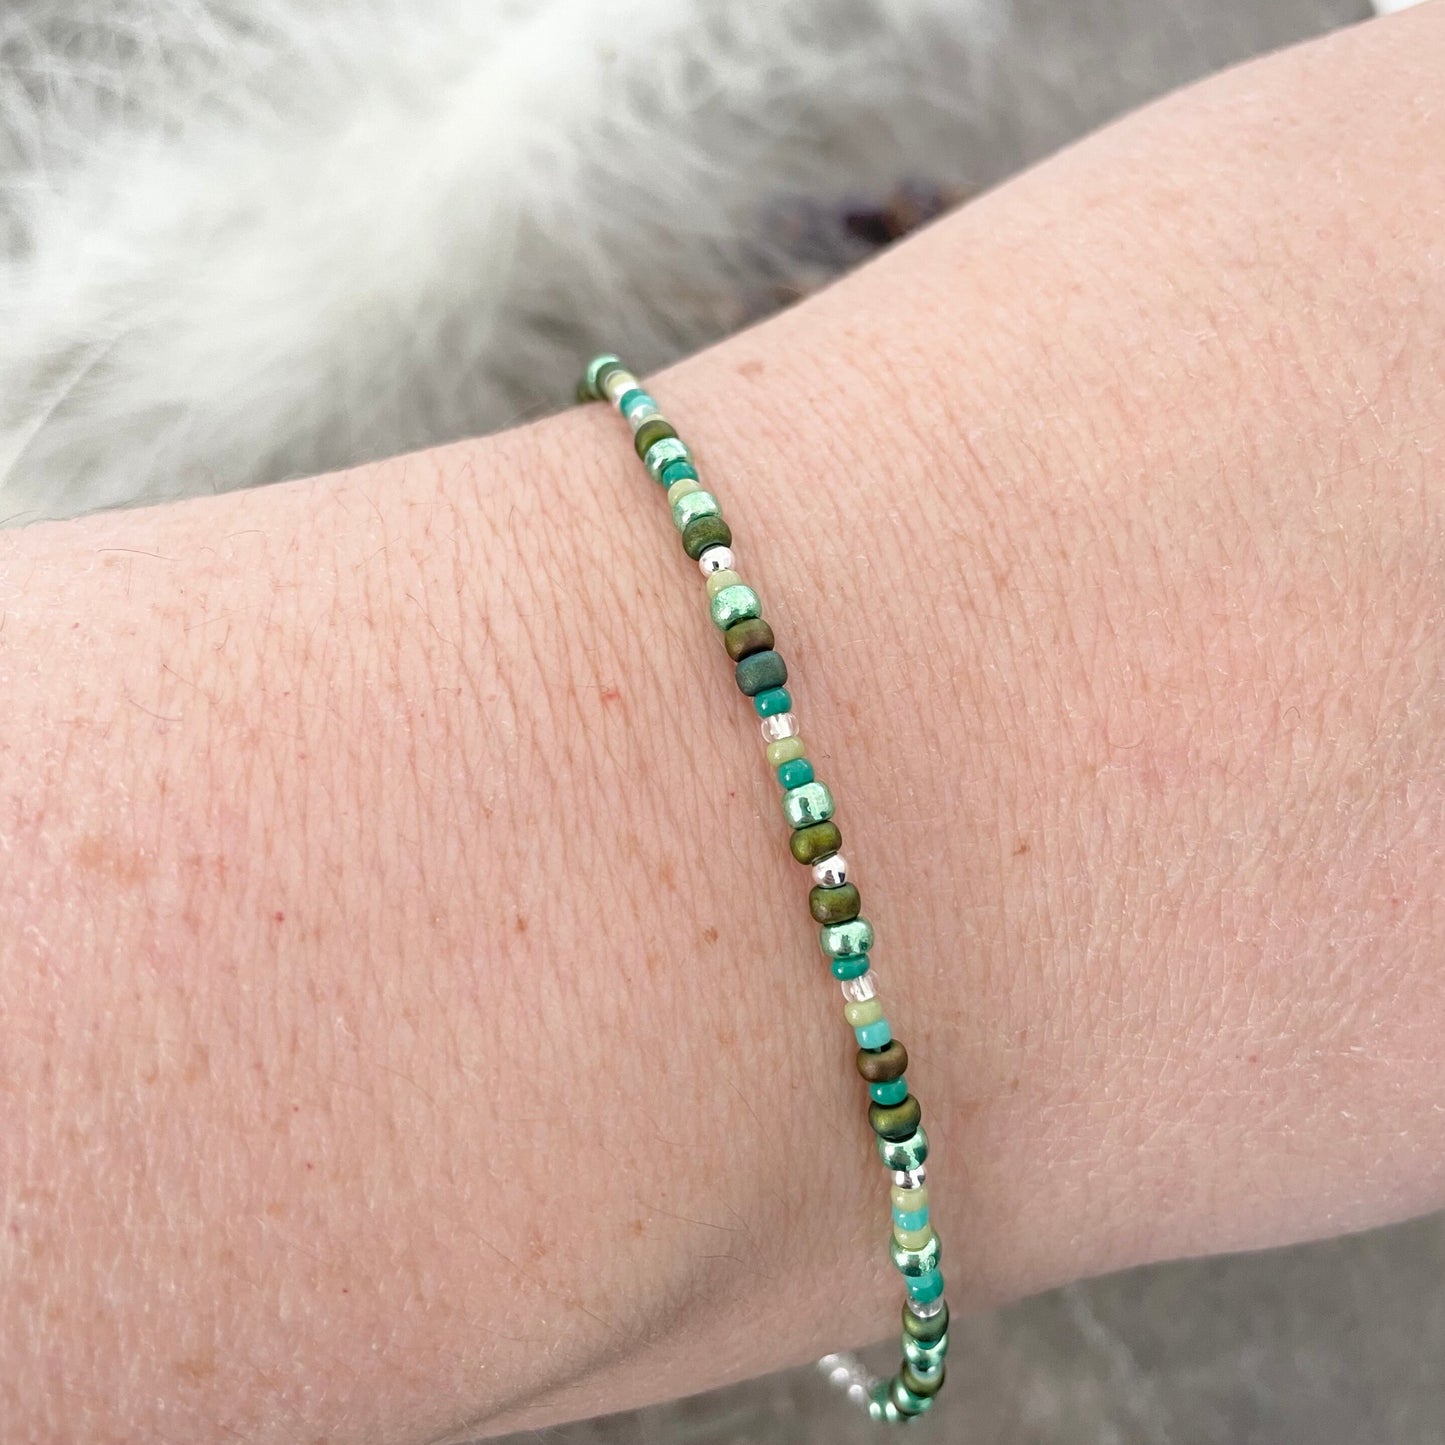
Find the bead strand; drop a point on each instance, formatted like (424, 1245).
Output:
(845, 935)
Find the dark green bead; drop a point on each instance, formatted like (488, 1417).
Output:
(924, 1386)
(704, 532)
(834, 905)
(896, 1121)
(795, 772)
(925, 1331)
(880, 1065)
(743, 639)
(815, 841)
(759, 671)
(652, 431)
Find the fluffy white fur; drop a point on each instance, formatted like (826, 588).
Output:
(256, 238)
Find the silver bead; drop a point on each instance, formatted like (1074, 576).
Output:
(715, 559)
(912, 1179)
(925, 1311)
(616, 383)
(831, 872)
(781, 725)
(859, 990)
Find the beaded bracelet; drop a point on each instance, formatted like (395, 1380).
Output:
(846, 936)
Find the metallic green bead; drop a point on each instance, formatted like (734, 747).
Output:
(928, 1331)
(806, 805)
(659, 454)
(924, 1386)
(905, 1401)
(916, 1352)
(914, 1262)
(735, 604)
(855, 936)
(904, 1154)
(692, 505)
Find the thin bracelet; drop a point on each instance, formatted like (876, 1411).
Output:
(846, 936)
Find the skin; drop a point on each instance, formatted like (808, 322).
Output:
(410, 1021)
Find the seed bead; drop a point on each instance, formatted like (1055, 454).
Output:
(685, 487)
(895, 1121)
(745, 638)
(785, 750)
(704, 532)
(655, 429)
(691, 505)
(851, 965)
(834, 905)
(865, 986)
(677, 471)
(734, 604)
(726, 578)
(831, 872)
(759, 671)
(715, 559)
(812, 803)
(785, 725)
(885, 1064)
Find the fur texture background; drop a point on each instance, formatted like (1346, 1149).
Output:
(248, 239)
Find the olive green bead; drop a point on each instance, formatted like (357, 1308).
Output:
(915, 1262)
(924, 1386)
(811, 803)
(759, 671)
(904, 1154)
(926, 1353)
(655, 430)
(878, 1066)
(818, 841)
(926, 1332)
(895, 1121)
(745, 638)
(704, 532)
(835, 905)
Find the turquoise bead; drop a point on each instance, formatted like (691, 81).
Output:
(631, 401)
(794, 774)
(873, 1036)
(851, 965)
(900, 1154)
(734, 604)
(911, 1218)
(692, 505)
(802, 807)
(677, 472)
(925, 1288)
(775, 700)
(855, 936)
(669, 449)
(889, 1092)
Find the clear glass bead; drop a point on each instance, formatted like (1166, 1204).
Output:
(779, 726)
(858, 990)
(925, 1311)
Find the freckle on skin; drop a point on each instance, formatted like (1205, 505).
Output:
(611, 692)
(709, 934)
(521, 923)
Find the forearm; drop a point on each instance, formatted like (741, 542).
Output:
(411, 1013)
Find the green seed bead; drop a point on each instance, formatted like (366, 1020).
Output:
(794, 773)
(815, 841)
(759, 671)
(704, 532)
(913, 1239)
(745, 638)
(652, 431)
(915, 1262)
(835, 905)
(771, 703)
(860, 1012)
(590, 387)
(879, 1065)
(659, 454)
(851, 965)
(785, 750)
(692, 505)
(905, 1401)
(929, 1354)
(716, 581)
(908, 1200)
(895, 1121)
(735, 604)
(904, 1154)
(802, 807)
(855, 936)
(684, 488)
(929, 1331)
(923, 1386)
